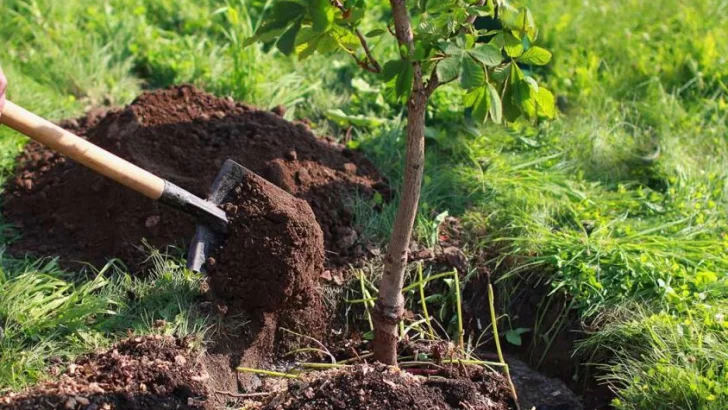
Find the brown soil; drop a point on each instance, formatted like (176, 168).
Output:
(152, 372)
(374, 387)
(274, 253)
(183, 135)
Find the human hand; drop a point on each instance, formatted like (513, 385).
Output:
(3, 87)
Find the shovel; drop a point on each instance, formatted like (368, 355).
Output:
(212, 223)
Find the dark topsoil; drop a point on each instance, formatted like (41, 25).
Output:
(377, 387)
(181, 134)
(152, 372)
(158, 372)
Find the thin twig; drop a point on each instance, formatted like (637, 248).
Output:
(368, 52)
(370, 63)
(433, 82)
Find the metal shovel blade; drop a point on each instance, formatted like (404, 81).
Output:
(205, 240)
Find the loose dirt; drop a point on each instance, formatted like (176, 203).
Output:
(182, 134)
(375, 387)
(274, 253)
(152, 372)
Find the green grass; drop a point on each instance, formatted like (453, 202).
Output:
(47, 312)
(619, 206)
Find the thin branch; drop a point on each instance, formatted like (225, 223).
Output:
(368, 52)
(433, 83)
(389, 28)
(370, 65)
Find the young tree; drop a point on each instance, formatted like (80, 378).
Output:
(443, 47)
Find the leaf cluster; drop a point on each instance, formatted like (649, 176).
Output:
(448, 48)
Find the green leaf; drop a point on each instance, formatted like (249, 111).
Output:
(545, 103)
(421, 51)
(513, 336)
(391, 69)
(451, 49)
(472, 74)
(328, 43)
(435, 7)
(267, 32)
(322, 14)
(471, 97)
(375, 33)
(481, 107)
(449, 68)
(523, 94)
(510, 110)
(513, 45)
(288, 10)
(487, 54)
(483, 11)
(536, 56)
(287, 43)
(403, 86)
(307, 42)
(516, 74)
(346, 39)
(526, 24)
(436, 298)
(496, 107)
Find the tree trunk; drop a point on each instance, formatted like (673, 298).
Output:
(389, 308)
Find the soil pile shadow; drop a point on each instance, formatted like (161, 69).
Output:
(377, 387)
(181, 134)
(152, 372)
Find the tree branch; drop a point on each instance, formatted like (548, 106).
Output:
(368, 52)
(370, 65)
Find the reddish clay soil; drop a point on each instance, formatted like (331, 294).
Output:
(182, 134)
(152, 372)
(274, 253)
(377, 387)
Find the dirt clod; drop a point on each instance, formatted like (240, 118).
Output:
(274, 252)
(183, 135)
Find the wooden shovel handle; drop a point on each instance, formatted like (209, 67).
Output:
(82, 151)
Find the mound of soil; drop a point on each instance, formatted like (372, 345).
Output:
(274, 253)
(182, 134)
(152, 372)
(372, 387)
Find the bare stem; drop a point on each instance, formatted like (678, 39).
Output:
(496, 338)
(389, 308)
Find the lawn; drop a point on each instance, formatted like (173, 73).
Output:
(615, 211)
